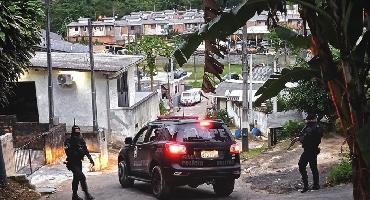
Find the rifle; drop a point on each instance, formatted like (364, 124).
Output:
(292, 142)
(296, 138)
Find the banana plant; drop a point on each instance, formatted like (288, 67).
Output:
(333, 24)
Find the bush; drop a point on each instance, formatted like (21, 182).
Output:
(162, 108)
(340, 173)
(290, 129)
(220, 114)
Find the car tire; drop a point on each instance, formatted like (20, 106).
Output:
(124, 180)
(161, 188)
(223, 187)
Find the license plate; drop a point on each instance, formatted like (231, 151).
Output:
(209, 154)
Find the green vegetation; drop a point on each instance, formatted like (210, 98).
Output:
(253, 152)
(222, 115)
(151, 47)
(162, 109)
(309, 97)
(20, 25)
(196, 84)
(290, 129)
(340, 173)
(200, 71)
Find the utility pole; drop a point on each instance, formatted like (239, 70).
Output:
(3, 180)
(274, 99)
(251, 88)
(228, 55)
(49, 64)
(93, 90)
(245, 123)
(195, 70)
(138, 78)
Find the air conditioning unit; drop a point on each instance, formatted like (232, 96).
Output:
(65, 79)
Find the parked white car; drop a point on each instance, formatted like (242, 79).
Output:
(191, 97)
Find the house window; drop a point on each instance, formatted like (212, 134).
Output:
(152, 26)
(132, 28)
(76, 28)
(122, 90)
(85, 28)
(162, 26)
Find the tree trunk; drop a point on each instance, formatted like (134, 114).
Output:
(2, 168)
(360, 176)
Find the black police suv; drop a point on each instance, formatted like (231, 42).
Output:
(176, 151)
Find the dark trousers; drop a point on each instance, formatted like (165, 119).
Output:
(311, 158)
(78, 178)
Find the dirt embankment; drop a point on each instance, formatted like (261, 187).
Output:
(18, 188)
(276, 170)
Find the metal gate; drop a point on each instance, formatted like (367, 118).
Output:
(31, 156)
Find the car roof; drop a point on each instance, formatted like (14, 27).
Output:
(168, 122)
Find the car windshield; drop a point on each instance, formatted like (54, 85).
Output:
(186, 94)
(194, 132)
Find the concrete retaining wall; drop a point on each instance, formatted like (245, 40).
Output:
(274, 120)
(8, 153)
(128, 121)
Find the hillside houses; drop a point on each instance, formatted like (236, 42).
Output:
(110, 30)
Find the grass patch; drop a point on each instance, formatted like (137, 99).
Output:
(199, 70)
(340, 173)
(253, 152)
(196, 84)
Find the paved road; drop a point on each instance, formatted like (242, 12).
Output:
(199, 109)
(106, 187)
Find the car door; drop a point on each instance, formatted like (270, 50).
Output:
(135, 161)
(144, 152)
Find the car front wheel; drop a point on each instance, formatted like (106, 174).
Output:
(161, 188)
(124, 180)
(224, 187)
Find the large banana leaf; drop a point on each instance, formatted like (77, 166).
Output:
(273, 86)
(223, 25)
(298, 41)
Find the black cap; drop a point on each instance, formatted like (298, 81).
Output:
(75, 129)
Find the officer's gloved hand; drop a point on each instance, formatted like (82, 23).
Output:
(92, 162)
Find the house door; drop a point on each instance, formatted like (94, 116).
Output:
(22, 103)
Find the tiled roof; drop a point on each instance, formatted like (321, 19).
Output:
(80, 61)
(59, 44)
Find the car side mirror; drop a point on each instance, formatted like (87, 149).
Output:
(128, 140)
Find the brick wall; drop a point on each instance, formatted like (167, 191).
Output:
(6, 123)
(54, 144)
(26, 131)
(8, 153)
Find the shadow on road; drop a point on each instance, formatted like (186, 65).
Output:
(183, 192)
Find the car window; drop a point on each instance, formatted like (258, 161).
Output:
(139, 138)
(194, 132)
(158, 134)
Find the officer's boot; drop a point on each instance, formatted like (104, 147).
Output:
(88, 196)
(305, 185)
(75, 196)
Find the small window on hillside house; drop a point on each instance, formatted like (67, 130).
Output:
(152, 26)
(122, 90)
(132, 28)
(76, 28)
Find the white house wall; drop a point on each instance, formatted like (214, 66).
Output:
(70, 102)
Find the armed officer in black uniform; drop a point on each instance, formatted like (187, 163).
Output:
(76, 150)
(310, 137)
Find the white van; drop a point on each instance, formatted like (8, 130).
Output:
(191, 97)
